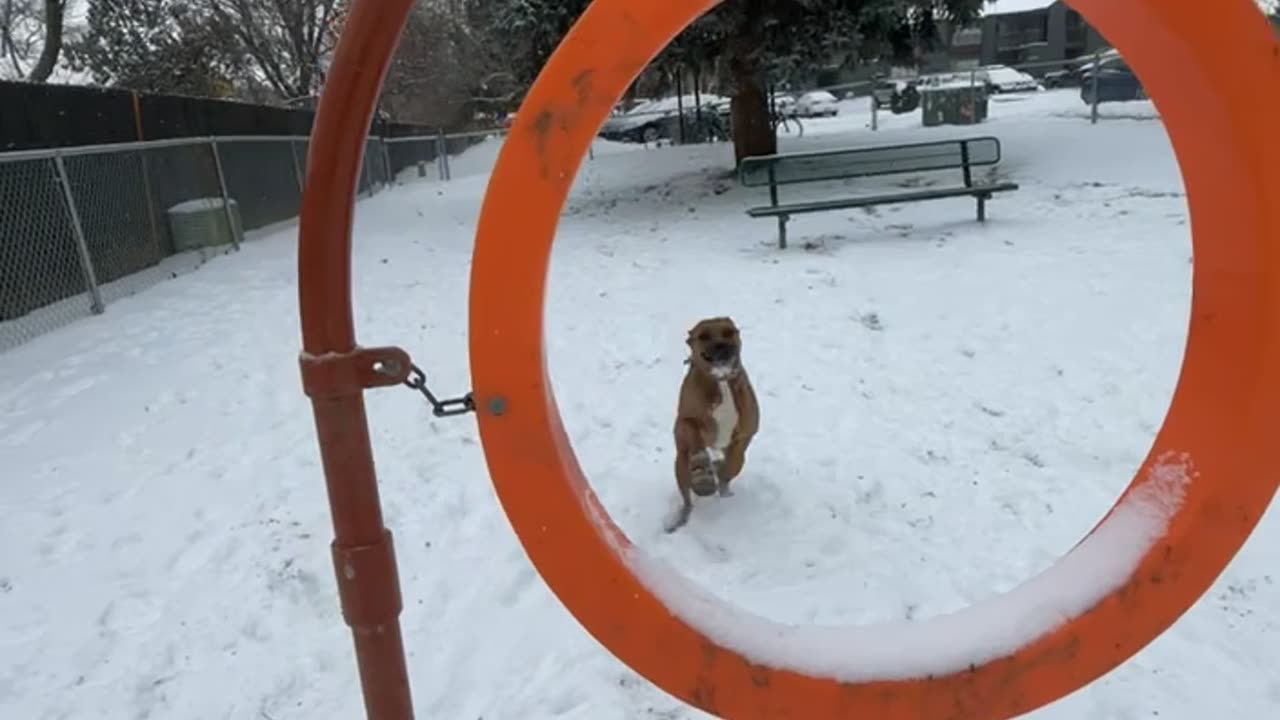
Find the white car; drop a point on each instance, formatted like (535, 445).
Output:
(817, 103)
(784, 105)
(1004, 79)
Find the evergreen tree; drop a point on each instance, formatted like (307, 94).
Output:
(163, 46)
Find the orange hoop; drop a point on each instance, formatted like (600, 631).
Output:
(1205, 483)
(1194, 502)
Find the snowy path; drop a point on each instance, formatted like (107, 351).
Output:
(947, 408)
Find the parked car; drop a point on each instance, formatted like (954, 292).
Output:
(1004, 79)
(817, 103)
(1070, 76)
(652, 120)
(783, 105)
(899, 96)
(882, 92)
(1116, 82)
(1061, 79)
(949, 79)
(1083, 64)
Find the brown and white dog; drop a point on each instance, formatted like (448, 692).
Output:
(716, 418)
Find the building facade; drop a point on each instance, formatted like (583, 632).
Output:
(1010, 32)
(1033, 32)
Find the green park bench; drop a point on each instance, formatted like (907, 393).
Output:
(964, 154)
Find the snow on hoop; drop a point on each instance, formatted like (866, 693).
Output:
(944, 644)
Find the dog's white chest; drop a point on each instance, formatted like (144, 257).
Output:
(726, 417)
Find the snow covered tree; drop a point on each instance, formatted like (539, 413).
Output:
(163, 46)
(748, 39)
(525, 32)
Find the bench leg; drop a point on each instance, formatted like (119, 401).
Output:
(782, 231)
(982, 208)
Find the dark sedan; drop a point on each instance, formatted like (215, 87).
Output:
(1116, 82)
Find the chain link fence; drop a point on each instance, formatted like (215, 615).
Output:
(428, 156)
(44, 281)
(82, 227)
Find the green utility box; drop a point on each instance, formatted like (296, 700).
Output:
(953, 105)
(202, 223)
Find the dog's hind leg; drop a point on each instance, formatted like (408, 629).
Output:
(735, 456)
(681, 515)
(678, 518)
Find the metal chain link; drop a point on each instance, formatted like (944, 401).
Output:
(417, 380)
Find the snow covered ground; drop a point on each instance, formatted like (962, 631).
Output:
(947, 408)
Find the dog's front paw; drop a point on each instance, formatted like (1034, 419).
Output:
(724, 490)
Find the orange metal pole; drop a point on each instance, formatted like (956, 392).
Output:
(335, 371)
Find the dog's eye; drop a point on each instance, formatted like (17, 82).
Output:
(704, 336)
(729, 334)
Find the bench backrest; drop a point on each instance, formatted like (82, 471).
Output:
(842, 163)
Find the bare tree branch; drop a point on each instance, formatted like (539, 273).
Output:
(20, 28)
(284, 39)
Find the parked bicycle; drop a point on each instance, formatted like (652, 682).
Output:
(714, 124)
(708, 126)
(788, 122)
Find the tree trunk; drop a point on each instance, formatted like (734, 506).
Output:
(753, 134)
(54, 13)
